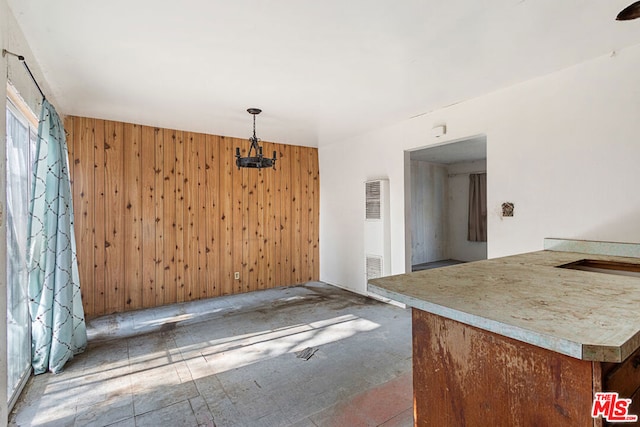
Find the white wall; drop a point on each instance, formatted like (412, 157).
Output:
(458, 214)
(565, 148)
(429, 206)
(342, 206)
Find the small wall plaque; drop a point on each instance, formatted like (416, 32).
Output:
(507, 209)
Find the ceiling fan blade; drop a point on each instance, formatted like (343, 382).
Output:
(630, 12)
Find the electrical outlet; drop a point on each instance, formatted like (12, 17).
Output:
(237, 275)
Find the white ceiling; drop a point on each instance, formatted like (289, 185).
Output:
(320, 70)
(467, 150)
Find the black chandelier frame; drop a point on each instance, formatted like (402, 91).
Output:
(257, 160)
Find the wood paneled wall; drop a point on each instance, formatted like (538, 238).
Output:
(165, 216)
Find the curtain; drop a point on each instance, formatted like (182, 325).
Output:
(477, 207)
(57, 319)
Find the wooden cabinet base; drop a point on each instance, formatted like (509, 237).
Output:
(465, 376)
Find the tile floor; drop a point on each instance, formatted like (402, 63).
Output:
(232, 361)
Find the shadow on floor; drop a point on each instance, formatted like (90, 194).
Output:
(232, 361)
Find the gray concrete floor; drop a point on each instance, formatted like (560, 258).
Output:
(231, 361)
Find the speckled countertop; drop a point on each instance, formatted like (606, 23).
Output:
(587, 315)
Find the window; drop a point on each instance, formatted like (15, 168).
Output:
(21, 140)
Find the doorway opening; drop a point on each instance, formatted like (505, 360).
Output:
(447, 204)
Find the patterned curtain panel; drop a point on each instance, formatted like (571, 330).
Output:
(55, 306)
(477, 207)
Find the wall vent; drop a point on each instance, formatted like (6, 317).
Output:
(374, 267)
(377, 229)
(372, 200)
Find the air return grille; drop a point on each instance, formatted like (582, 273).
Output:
(377, 229)
(372, 207)
(374, 267)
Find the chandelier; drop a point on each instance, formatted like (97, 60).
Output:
(257, 160)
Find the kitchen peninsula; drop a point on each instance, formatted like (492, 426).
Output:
(525, 339)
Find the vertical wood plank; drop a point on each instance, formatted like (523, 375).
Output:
(276, 226)
(305, 259)
(246, 198)
(261, 224)
(132, 214)
(227, 213)
(84, 170)
(69, 136)
(169, 210)
(202, 235)
(269, 248)
(251, 226)
(148, 162)
(213, 212)
(114, 217)
(78, 202)
(99, 297)
(296, 193)
(240, 231)
(315, 217)
(68, 124)
(158, 144)
(285, 216)
(190, 220)
(179, 207)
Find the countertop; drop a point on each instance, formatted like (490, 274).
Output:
(586, 315)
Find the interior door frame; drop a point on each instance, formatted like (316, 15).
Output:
(408, 186)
